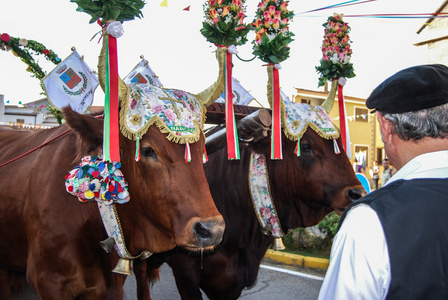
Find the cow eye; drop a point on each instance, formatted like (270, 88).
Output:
(305, 148)
(148, 152)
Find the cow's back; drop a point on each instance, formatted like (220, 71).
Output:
(39, 218)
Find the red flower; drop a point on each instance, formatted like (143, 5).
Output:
(5, 37)
(46, 52)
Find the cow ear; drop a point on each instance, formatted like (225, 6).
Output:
(88, 128)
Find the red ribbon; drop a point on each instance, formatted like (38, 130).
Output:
(342, 116)
(231, 134)
(276, 136)
(113, 100)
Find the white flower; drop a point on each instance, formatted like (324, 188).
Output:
(346, 59)
(334, 58)
(232, 49)
(272, 36)
(342, 81)
(228, 19)
(115, 29)
(23, 42)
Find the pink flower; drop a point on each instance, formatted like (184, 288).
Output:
(267, 22)
(265, 212)
(272, 220)
(261, 6)
(5, 37)
(276, 23)
(170, 115)
(225, 11)
(157, 108)
(284, 21)
(240, 16)
(257, 23)
(284, 6)
(271, 10)
(278, 15)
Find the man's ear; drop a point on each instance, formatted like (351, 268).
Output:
(385, 127)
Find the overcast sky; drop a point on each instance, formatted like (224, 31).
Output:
(170, 40)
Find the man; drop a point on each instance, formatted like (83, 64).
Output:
(388, 172)
(393, 243)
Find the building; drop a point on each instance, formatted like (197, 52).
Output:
(31, 114)
(433, 34)
(366, 143)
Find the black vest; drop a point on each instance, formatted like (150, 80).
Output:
(414, 216)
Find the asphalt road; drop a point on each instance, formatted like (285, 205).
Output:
(274, 282)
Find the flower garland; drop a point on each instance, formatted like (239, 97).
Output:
(272, 31)
(118, 10)
(20, 47)
(336, 51)
(224, 22)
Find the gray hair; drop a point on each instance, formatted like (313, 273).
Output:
(415, 125)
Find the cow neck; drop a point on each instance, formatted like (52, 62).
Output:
(260, 193)
(112, 224)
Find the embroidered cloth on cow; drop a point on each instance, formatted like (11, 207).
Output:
(297, 117)
(261, 195)
(175, 112)
(95, 180)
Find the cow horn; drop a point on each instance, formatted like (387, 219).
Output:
(328, 103)
(108, 244)
(123, 267)
(277, 244)
(208, 96)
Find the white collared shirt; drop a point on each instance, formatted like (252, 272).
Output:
(359, 263)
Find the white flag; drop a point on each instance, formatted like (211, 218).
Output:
(142, 73)
(283, 96)
(240, 95)
(72, 83)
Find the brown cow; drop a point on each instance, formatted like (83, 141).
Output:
(50, 235)
(304, 189)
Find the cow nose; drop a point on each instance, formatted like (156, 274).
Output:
(209, 232)
(356, 193)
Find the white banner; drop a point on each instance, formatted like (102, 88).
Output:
(240, 95)
(72, 83)
(142, 73)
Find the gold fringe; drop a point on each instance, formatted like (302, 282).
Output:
(288, 134)
(155, 120)
(329, 102)
(208, 96)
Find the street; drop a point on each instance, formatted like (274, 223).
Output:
(274, 282)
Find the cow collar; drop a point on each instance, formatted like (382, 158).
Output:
(112, 224)
(261, 196)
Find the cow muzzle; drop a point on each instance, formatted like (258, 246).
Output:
(207, 233)
(350, 195)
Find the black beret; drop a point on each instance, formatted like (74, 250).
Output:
(411, 89)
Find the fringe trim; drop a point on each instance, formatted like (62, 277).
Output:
(288, 134)
(329, 102)
(208, 96)
(155, 120)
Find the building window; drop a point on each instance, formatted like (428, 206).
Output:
(361, 114)
(20, 121)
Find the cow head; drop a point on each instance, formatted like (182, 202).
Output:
(170, 201)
